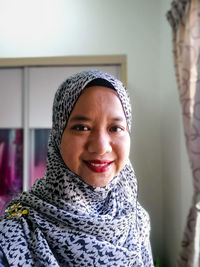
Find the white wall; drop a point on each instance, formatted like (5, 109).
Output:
(139, 30)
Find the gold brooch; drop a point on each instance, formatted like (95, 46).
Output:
(15, 210)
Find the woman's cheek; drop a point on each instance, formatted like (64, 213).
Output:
(123, 149)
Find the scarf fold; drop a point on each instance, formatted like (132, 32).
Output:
(70, 223)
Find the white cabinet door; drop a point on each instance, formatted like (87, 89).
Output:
(11, 97)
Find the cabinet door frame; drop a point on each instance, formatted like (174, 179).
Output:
(68, 61)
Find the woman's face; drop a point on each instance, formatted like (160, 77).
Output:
(95, 143)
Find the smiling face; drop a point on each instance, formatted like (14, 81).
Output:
(95, 143)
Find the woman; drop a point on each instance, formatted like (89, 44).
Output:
(84, 212)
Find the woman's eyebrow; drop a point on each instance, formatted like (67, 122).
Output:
(79, 118)
(119, 118)
(84, 118)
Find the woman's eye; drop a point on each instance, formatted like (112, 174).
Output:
(80, 128)
(116, 129)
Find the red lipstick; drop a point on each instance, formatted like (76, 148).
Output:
(98, 165)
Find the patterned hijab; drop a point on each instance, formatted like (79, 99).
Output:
(62, 221)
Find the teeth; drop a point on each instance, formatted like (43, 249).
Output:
(99, 165)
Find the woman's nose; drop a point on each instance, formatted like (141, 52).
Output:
(99, 143)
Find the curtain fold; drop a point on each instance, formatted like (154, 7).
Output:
(184, 18)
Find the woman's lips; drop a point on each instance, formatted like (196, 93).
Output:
(98, 165)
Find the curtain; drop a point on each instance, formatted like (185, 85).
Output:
(184, 18)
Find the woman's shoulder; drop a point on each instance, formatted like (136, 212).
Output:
(12, 226)
(10, 229)
(142, 213)
(143, 221)
(7, 229)
(12, 239)
(9, 224)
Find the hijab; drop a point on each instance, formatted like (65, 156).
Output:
(61, 220)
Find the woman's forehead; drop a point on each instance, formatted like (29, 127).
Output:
(98, 98)
(94, 90)
(100, 107)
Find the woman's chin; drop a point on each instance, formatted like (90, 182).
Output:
(97, 181)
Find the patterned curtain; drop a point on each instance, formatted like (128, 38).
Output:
(184, 18)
